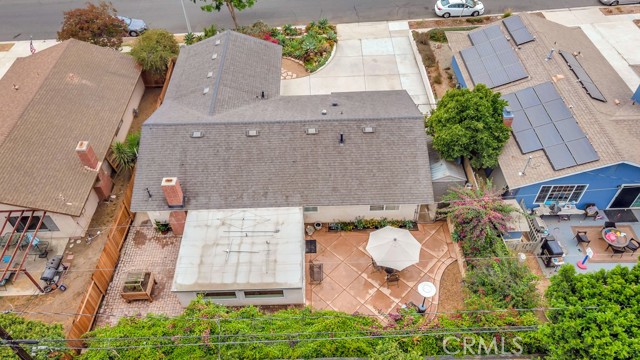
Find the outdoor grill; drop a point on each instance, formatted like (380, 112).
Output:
(552, 253)
(52, 269)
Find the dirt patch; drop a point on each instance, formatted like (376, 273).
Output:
(6, 47)
(618, 10)
(147, 106)
(543, 282)
(637, 22)
(452, 22)
(140, 238)
(293, 68)
(443, 72)
(451, 290)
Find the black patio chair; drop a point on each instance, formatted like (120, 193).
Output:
(375, 267)
(581, 237)
(617, 250)
(633, 246)
(393, 278)
(609, 224)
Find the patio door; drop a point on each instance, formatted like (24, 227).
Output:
(627, 197)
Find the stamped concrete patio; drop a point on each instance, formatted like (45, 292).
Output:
(351, 285)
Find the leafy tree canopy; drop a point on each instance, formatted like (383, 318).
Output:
(597, 315)
(153, 50)
(469, 124)
(232, 5)
(21, 329)
(95, 24)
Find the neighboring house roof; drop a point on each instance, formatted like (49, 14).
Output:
(283, 166)
(612, 129)
(71, 92)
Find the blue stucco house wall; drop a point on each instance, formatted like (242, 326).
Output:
(602, 185)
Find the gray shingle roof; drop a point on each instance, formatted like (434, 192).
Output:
(283, 165)
(75, 91)
(242, 69)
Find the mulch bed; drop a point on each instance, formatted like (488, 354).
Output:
(619, 10)
(6, 47)
(451, 290)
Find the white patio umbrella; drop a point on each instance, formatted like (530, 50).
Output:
(393, 248)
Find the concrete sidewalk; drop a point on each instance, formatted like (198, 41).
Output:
(20, 49)
(616, 37)
(369, 57)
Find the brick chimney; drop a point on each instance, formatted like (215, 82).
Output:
(87, 156)
(177, 219)
(172, 192)
(507, 116)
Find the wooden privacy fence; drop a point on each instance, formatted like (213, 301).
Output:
(531, 242)
(103, 274)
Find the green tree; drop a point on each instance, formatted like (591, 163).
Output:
(154, 49)
(95, 24)
(232, 5)
(46, 335)
(469, 124)
(595, 315)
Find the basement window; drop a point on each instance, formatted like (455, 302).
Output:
(310, 209)
(384, 207)
(264, 294)
(219, 295)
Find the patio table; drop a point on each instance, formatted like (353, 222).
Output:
(615, 237)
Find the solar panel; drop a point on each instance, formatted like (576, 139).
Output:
(582, 151)
(569, 129)
(500, 62)
(537, 115)
(584, 78)
(527, 98)
(514, 104)
(548, 135)
(527, 141)
(520, 121)
(546, 92)
(517, 30)
(560, 157)
(557, 110)
(541, 120)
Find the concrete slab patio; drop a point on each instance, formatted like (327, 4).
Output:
(368, 57)
(351, 284)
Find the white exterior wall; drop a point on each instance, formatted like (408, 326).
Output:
(327, 214)
(162, 216)
(291, 296)
(127, 117)
(69, 226)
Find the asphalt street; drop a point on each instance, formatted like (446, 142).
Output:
(20, 19)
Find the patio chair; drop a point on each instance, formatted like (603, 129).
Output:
(581, 237)
(617, 250)
(609, 224)
(393, 278)
(633, 246)
(375, 267)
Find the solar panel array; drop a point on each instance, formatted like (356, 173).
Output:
(491, 60)
(518, 31)
(541, 120)
(582, 76)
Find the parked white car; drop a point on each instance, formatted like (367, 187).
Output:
(619, 2)
(447, 8)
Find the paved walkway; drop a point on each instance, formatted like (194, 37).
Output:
(351, 285)
(615, 36)
(369, 57)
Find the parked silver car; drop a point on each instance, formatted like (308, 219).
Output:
(619, 2)
(134, 26)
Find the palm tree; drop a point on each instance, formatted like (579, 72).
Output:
(125, 153)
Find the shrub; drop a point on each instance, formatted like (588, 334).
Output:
(95, 24)
(290, 30)
(46, 336)
(437, 79)
(154, 49)
(424, 48)
(507, 12)
(475, 20)
(210, 31)
(189, 38)
(258, 29)
(437, 35)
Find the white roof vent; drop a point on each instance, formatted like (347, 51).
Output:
(205, 91)
(311, 131)
(197, 134)
(214, 56)
(368, 129)
(209, 74)
(324, 112)
(217, 42)
(253, 132)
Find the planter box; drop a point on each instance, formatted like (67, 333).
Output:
(138, 286)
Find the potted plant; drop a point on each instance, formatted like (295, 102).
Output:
(163, 227)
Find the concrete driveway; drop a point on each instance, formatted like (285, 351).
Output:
(369, 57)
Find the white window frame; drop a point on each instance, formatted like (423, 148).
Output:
(310, 209)
(275, 293)
(586, 186)
(384, 207)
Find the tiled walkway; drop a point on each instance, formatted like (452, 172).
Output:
(144, 250)
(351, 285)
